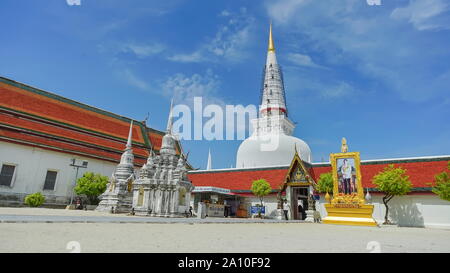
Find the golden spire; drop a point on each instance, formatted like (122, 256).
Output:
(271, 46)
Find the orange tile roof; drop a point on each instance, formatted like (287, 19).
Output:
(420, 172)
(35, 117)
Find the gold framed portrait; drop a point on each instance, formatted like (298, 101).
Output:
(346, 175)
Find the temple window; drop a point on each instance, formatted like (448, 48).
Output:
(7, 174)
(50, 180)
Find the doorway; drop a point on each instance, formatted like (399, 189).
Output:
(299, 202)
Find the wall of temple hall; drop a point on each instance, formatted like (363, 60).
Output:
(414, 210)
(31, 167)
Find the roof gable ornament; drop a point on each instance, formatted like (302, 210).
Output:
(344, 147)
(297, 171)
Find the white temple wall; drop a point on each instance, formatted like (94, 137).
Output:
(415, 210)
(32, 164)
(270, 202)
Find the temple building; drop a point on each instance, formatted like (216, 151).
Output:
(273, 154)
(271, 143)
(48, 141)
(162, 188)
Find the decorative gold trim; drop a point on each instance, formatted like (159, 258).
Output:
(298, 184)
(298, 160)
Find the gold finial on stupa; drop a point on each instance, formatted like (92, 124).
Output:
(271, 45)
(344, 147)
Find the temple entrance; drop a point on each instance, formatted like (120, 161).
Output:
(299, 202)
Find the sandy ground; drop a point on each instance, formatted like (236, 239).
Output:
(191, 237)
(45, 211)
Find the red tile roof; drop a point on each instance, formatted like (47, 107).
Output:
(237, 180)
(420, 172)
(35, 117)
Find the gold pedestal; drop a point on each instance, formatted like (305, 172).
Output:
(353, 216)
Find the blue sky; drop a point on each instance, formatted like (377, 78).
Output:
(377, 75)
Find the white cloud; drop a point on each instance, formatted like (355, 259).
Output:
(225, 13)
(371, 42)
(195, 57)
(282, 11)
(229, 42)
(424, 14)
(143, 50)
(342, 89)
(135, 81)
(184, 88)
(302, 60)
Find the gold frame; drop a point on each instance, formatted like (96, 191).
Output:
(356, 157)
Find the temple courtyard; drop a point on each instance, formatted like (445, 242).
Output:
(55, 230)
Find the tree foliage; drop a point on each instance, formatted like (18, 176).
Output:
(261, 188)
(392, 181)
(91, 185)
(442, 184)
(35, 199)
(325, 183)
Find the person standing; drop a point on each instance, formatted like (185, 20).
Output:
(301, 212)
(286, 208)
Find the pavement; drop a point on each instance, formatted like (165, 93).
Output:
(55, 231)
(40, 215)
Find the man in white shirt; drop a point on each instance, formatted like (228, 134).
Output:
(286, 208)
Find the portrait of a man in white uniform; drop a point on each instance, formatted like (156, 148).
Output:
(347, 175)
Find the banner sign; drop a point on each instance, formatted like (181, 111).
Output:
(216, 210)
(256, 209)
(212, 189)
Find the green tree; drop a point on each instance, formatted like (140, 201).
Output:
(35, 199)
(392, 181)
(325, 183)
(91, 185)
(261, 188)
(442, 184)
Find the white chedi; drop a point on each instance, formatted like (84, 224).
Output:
(252, 151)
(271, 143)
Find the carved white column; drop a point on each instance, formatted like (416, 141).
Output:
(166, 201)
(174, 207)
(152, 205)
(158, 201)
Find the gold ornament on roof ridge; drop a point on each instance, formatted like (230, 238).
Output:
(344, 147)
